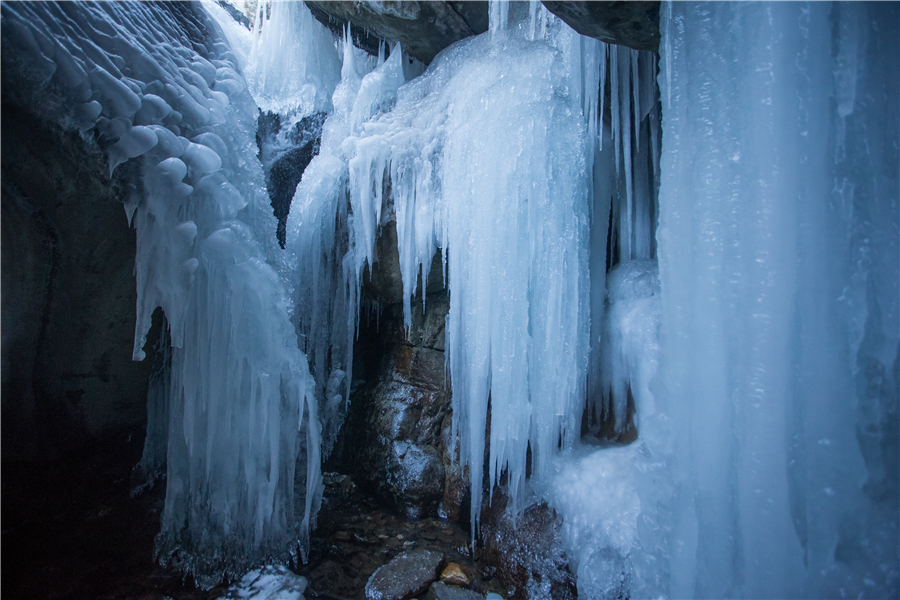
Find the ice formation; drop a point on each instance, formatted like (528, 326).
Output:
(778, 251)
(158, 83)
(761, 355)
(457, 146)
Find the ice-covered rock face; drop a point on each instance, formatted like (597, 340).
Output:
(158, 84)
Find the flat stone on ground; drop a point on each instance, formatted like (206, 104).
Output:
(408, 574)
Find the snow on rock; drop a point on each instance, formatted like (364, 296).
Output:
(630, 339)
(596, 494)
(272, 582)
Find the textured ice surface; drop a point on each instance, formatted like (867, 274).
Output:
(778, 255)
(630, 339)
(158, 84)
(767, 462)
(595, 492)
(288, 59)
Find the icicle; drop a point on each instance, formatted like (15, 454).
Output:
(636, 95)
(498, 13)
(604, 60)
(615, 104)
(292, 64)
(205, 250)
(625, 117)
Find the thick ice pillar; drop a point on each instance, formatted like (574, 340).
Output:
(778, 254)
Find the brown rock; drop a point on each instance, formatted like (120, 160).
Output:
(391, 441)
(527, 551)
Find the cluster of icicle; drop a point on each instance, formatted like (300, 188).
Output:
(487, 157)
(158, 85)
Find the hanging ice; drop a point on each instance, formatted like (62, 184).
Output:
(487, 158)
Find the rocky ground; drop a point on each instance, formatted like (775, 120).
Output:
(356, 536)
(71, 530)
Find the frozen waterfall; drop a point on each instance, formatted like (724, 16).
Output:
(673, 278)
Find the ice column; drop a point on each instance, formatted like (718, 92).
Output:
(778, 249)
(291, 64)
(623, 230)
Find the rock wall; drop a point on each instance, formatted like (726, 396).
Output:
(68, 292)
(392, 440)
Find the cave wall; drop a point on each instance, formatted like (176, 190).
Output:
(68, 293)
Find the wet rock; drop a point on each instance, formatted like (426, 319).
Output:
(442, 591)
(383, 281)
(528, 554)
(453, 574)
(408, 574)
(285, 164)
(633, 23)
(455, 501)
(391, 441)
(422, 28)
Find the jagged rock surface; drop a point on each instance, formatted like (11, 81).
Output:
(528, 553)
(426, 28)
(634, 24)
(392, 439)
(422, 28)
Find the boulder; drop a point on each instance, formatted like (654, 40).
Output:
(405, 576)
(527, 552)
(454, 574)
